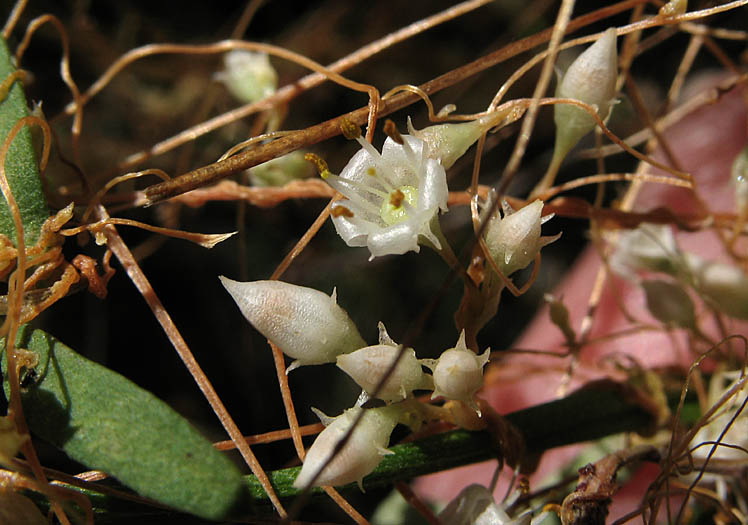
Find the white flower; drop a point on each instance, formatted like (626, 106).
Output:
(306, 324)
(515, 240)
(367, 366)
(361, 454)
(248, 75)
(393, 197)
(458, 373)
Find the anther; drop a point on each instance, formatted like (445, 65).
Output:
(319, 163)
(350, 130)
(390, 129)
(341, 211)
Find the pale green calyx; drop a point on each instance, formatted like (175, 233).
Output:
(368, 366)
(591, 79)
(361, 454)
(248, 75)
(515, 240)
(306, 324)
(458, 373)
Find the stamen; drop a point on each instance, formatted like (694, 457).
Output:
(334, 180)
(392, 132)
(340, 184)
(383, 166)
(319, 163)
(390, 129)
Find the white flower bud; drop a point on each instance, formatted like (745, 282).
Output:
(449, 142)
(361, 454)
(369, 365)
(723, 285)
(649, 247)
(306, 324)
(515, 240)
(591, 79)
(248, 75)
(458, 373)
(669, 303)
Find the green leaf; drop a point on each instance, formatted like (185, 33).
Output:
(106, 422)
(21, 167)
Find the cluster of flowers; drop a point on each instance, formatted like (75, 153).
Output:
(392, 203)
(310, 327)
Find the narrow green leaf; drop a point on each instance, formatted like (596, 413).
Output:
(106, 422)
(21, 167)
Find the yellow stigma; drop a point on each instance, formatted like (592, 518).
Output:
(396, 198)
(319, 163)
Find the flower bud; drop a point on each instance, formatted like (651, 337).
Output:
(725, 287)
(449, 142)
(248, 75)
(306, 324)
(458, 373)
(361, 454)
(649, 247)
(367, 366)
(591, 79)
(515, 240)
(669, 303)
